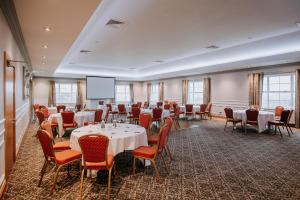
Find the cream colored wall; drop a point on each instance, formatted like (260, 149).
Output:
(8, 44)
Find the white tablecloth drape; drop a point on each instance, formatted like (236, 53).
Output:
(123, 137)
(79, 117)
(263, 118)
(196, 108)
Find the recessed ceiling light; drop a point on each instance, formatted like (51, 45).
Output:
(43, 57)
(212, 47)
(45, 46)
(47, 28)
(298, 24)
(85, 51)
(250, 38)
(158, 61)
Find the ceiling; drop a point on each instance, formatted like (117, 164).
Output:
(66, 18)
(159, 38)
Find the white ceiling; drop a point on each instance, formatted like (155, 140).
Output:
(249, 33)
(66, 18)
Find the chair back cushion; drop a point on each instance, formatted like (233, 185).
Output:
(188, 107)
(167, 106)
(78, 107)
(157, 113)
(285, 116)
(145, 120)
(109, 107)
(159, 104)
(121, 108)
(135, 112)
(60, 108)
(139, 104)
(228, 113)
(203, 107)
(163, 138)
(94, 147)
(98, 115)
(40, 116)
(46, 143)
(67, 117)
(252, 115)
(134, 105)
(101, 102)
(278, 111)
(46, 125)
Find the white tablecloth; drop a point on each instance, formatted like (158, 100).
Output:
(53, 110)
(123, 137)
(114, 109)
(263, 118)
(80, 118)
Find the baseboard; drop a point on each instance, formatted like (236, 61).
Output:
(2, 188)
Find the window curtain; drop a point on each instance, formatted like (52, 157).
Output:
(148, 91)
(297, 109)
(255, 84)
(51, 96)
(185, 87)
(79, 94)
(131, 92)
(206, 90)
(161, 91)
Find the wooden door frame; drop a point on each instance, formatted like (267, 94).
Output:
(6, 62)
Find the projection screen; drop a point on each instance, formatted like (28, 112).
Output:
(100, 87)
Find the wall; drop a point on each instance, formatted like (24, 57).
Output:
(8, 44)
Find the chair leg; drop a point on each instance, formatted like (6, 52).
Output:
(164, 161)
(55, 180)
(156, 171)
(133, 166)
(43, 172)
(109, 183)
(233, 126)
(287, 129)
(290, 129)
(81, 182)
(169, 152)
(225, 125)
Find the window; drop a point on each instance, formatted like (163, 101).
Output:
(123, 93)
(154, 95)
(278, 90)
(195, 92)
(66, 93)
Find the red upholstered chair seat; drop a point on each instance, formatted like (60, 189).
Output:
(71, 125)
(100, 165)
(145, 152)
(64, 157)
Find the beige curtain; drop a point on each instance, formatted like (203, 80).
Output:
(255, 84)
(79, 94)
(148, 91)
(51, 96)
(161, 91)
(131, 93)
(185, 87)
(206, 90)
(297, 109)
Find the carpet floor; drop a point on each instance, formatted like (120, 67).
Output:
(210, 163)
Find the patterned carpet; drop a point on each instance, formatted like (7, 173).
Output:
(209, 164)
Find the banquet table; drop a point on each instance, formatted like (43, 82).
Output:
(122, 137)
(263, 118)
(79, 117)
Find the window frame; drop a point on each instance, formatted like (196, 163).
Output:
(58, 93)
(126, 94)
(155, 86)
(201, 92)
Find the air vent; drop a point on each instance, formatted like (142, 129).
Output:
(114, 22)
(132, 68)
(158, 61)
(212, 47)
(85, 51)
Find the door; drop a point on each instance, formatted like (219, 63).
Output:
(9, 115)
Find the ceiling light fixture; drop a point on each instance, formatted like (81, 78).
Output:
(114, 22)
(43, 57)
(212, 47)
(45, 46)
(47, 28)
(85, 51)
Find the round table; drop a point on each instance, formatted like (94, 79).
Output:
(263, 118)
(79, 117)
(123, 137)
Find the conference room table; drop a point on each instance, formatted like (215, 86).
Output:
(79, 117)
(263, 118)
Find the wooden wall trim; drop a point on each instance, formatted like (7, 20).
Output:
(10, 14)
(2, 186)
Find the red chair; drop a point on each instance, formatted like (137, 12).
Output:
(59, 159)
(167, 106)
(134, 105)
(159, 104)
(208, 110)
(145, 120)
(68, 120)
(252, 116)
(283, 122)
(40, 116)
(153, 138)
(278, 111)
(146, 104)
(135, 111)
(289, 121)
(97, 118)
(60, 108)
(122, 109)
(202, 110)
(156, 112)
(151, 152)
(101, 102)
(78, 107)
(175, 117)
(45, 111)
(139, 104)
(95, 157)
(57, 146)
(109, 111)
(189, 110)
(229, 118)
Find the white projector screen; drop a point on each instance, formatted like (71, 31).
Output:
(100, 88)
